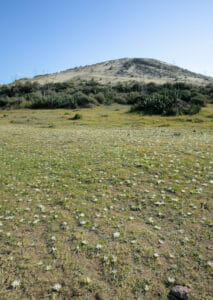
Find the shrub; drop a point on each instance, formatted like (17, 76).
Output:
(59, 100)
(192, 109)
(169, 100)
(84, 100)
(198, 99)
(77, 117)
(109, 95)
(186, 95)
(152, 87)
(3, 102)
(100, 98)
(134, 97)
(62, 86)
(120, 99)
(14, 102)
(155, 104)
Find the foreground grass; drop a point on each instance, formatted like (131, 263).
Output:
(113, 206)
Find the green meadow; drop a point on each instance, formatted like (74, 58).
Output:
(115, 205)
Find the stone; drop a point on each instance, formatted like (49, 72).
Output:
(179, 292)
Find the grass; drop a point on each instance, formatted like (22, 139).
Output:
(112, 206)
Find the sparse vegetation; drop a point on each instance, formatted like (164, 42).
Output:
(113, 207)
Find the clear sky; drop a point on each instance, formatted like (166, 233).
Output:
(45, 36)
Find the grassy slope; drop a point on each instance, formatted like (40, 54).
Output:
(144, 177)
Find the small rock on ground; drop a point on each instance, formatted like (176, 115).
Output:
(179, 292)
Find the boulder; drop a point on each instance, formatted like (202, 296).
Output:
(179, 292)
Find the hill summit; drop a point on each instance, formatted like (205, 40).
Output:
(125, 69)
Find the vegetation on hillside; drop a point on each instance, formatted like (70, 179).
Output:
(166, 99)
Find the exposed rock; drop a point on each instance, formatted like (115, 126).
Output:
(179, 292)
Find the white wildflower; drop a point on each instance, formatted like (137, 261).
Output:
(84, 242)
(57, 287)
(171, 279)
(36, 221)
(116, 234)
(88, 280)
(114, 259)
(146, 288)
(83, 222)
(157, 227)
(150, 220)
(42, 207)
(15, 283)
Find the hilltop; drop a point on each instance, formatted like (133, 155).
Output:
(125, 69)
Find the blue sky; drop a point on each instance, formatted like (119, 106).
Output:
(45, 36)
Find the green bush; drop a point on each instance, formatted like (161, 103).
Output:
(155, 104)
(134, 97)
(3, 102)
(198, 99)
(192, 109)
(120, 99)
(100, 98)
(169, 100)
(152, 87)
(19, 89)
(77, 117)
(83, 100)
(186, 95)
(59, 100)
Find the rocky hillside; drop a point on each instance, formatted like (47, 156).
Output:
(125, 69)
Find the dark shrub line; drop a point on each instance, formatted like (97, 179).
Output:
(166, 99)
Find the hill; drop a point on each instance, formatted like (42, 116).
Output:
(125, 69)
